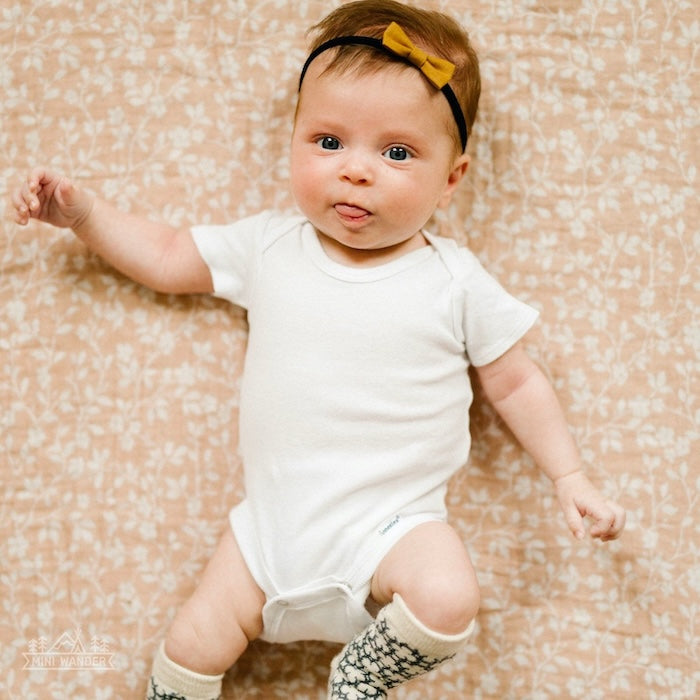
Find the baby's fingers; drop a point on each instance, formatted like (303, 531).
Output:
(25, 199)
(609, 525)
(22, 202)
(574, 520)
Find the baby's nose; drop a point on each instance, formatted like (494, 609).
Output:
(356, 169)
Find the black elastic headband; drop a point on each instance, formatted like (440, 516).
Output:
(379, 44)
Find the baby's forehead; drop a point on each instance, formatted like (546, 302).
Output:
(357, 61)
(397, 79)
(356, 71)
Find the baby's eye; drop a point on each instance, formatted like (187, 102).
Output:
(329, 143)
(397, 153)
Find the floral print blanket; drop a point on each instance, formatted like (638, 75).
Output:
(118, 406)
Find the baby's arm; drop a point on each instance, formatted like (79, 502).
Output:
(155, 255)
(526, 401)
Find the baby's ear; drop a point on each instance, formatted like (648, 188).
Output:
(459, 168)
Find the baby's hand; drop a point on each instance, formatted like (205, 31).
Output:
(579, 499)
(51, 198)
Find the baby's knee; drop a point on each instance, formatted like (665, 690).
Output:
(444, 602)
(194, 641)
(184, 645)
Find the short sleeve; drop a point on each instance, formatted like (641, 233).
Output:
(492, 320)
(232, 252)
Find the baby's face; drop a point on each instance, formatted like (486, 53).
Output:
(372, 158)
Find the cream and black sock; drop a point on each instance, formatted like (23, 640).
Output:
(170, 681)
(393, 649)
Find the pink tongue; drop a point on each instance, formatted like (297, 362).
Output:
(349, 210)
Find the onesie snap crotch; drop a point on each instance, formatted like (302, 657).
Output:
(326, 609)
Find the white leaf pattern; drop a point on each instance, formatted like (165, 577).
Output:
(118, 406)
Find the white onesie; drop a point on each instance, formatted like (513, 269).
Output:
(354, 408)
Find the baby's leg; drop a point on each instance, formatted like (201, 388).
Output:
(211, 630)
(431, 595)
(430, 569)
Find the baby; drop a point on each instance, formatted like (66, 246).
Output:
(355, 398)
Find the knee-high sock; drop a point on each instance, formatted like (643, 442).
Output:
(169, 681)
(393, 649)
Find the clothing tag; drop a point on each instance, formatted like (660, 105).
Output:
(392, 523)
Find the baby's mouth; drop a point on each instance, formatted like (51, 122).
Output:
(351, 212)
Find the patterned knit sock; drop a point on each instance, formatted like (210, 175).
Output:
(169, 681)
(394, 648)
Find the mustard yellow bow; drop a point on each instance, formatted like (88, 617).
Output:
(437, 70)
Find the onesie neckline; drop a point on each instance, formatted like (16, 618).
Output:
(312, 246)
